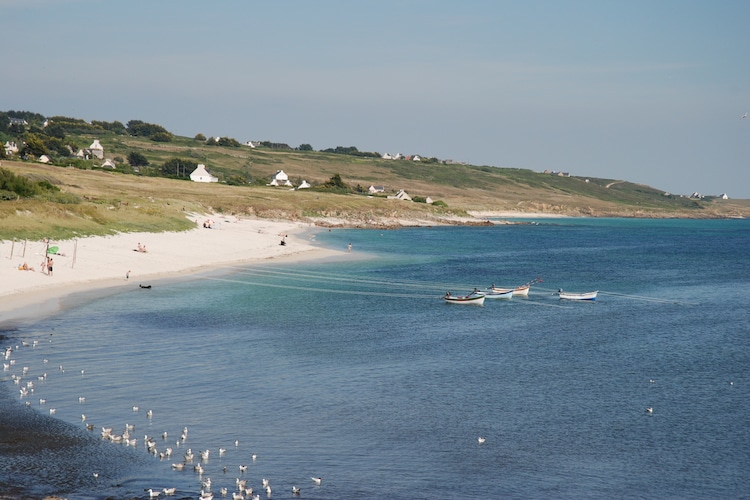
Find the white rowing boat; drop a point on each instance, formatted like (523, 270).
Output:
(505, 294)
(475, 298)
(577, 296)
(522, 290)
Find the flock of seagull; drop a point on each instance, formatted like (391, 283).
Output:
(243, 490)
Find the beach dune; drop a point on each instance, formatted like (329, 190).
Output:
(115, 261)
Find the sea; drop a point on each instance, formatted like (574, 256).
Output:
(355, 371)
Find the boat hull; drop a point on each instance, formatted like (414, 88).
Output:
(508, 294)
(519, 291)
(578, 296)
(474, 299)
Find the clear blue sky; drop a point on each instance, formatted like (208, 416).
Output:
(649, 91)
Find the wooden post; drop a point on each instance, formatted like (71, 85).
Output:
(75, 251)
(11, 248)
(24, 248)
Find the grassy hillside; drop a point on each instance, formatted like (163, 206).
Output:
(101, 202)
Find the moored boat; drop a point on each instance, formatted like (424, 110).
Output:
(475, 298)
(495, 294)
(577, 296)
(522, 290)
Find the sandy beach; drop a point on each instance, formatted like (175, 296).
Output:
(100, 262)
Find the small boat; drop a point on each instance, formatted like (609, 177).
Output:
(475, 298)
(577, 296)
(522, 290)
(494, 294)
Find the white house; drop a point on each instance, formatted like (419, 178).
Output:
(304, 185)
(200, 174)
(10, 148)
(44, 159)
(97, 149)
(280, 179)
(109, 164)
(724, 196)
(401, 195)
(376, 189)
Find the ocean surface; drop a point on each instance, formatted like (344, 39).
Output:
(357, 372)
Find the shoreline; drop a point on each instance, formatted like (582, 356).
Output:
(108, 264)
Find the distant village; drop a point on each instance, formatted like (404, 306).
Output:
(278, 179)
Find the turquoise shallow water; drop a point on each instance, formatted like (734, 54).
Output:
(356, 371)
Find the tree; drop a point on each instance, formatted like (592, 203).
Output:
(177, 167)
(34, 145)
(305, 147)
(161, 137)
(136, 159)
(228, 141)
(200, 137)
(335, 182)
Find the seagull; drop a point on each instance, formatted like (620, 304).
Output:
(317, 480)
(295, 490)
(96, 475)
(243, 468)
(204, 455)
(222, 451)
(169, 491)
(237, 496)
(649, 410)
(52, 411)
(149, 413)
(178, 466)
(744, 116)
(152, 493)
(481, 440)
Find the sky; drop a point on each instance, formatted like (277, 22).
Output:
(647, 91)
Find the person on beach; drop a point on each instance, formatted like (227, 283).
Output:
(127, 275)
(349, 248)
(50, 263)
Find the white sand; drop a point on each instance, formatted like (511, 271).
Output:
(103, 262)
(514, 215)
